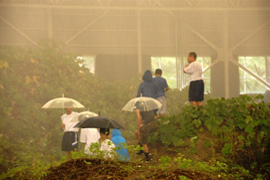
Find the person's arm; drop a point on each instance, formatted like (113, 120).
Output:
(188, 69)
(166, 86)
(63, 124)
(140, 91)
(139, 120)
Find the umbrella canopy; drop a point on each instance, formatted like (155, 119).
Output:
(99, 122)
(143, 104)
(84, 115)
(62, 102)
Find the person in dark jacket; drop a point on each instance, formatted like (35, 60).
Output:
(146, 124)
(147, 88)
(120, 143)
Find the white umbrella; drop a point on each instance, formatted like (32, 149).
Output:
(83, 115)
(62, 102)
(142, 103)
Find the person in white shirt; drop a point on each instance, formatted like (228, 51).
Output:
(196, 86)
(88, 137)
(106, 145)
(70, 137)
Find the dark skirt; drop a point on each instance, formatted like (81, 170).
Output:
(196, 90)
(70, 141)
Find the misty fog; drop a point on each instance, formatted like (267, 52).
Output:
(122, 38)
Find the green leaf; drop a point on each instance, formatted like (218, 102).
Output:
(249, 129)
(213, 123)
(240, 138)
(227, 149)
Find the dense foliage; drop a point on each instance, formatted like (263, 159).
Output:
(30, 137)
(238, 128)
(31, 77)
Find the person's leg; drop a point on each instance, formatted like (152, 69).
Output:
(68, 154)
(146, 150)
(139, 144)
(66, 143)
(197, 93)
(146, 153)
(199, 103)
(200, 97)
(156, 113)
(163, 108)
(137, 134)
(145, 132)
(194, 103)
(192, 94)
(144, 137)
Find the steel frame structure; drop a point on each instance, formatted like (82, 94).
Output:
(172, 8)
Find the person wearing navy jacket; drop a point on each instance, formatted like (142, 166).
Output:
(147, 88)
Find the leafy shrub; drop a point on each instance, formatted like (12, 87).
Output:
(241, 125)
(31, 77)
(31, 136)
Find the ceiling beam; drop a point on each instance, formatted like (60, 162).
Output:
(86, 27)
(250, 35)
(18, 31)
(119, 7)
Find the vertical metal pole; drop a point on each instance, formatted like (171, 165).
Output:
(139, 41)
(267, 69)
(182, 73)
(50, 23)
(177, 64)
(178, 81)
(226, 56)
(245, 76)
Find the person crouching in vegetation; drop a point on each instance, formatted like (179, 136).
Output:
(146, 124)
(89, 137)
(120, 143)
(70, 137)
(106, 145)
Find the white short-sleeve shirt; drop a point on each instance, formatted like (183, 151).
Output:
(66, 119)
(89, 136)
(108, 147)
(195, 71)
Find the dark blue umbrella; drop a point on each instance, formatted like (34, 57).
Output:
(99, 122)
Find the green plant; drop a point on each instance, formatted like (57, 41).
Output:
(165, 161)
(240, 125)
(30, 136)
(183, 178)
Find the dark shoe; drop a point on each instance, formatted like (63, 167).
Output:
(139, 152)
(148, 156)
